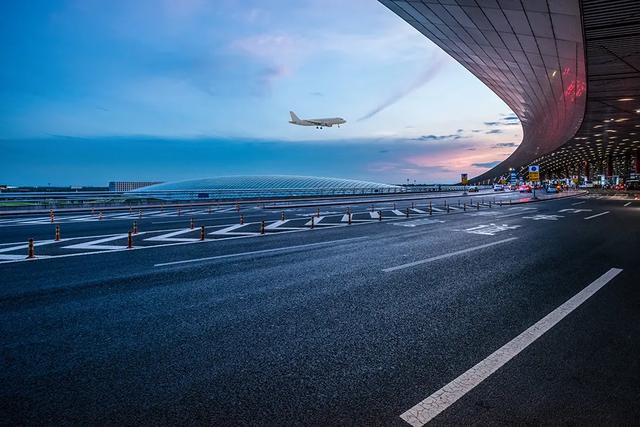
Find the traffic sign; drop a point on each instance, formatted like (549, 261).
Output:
(464, 178)
(534, 173)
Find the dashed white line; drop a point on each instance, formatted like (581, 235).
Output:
(447, 255)
(259, 252)
(433, 405)
(597, 215)
(627, 204)
(578, 203)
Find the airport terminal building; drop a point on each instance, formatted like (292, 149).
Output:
(261, 187)
(569, 69)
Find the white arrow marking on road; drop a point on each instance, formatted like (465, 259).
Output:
(491, 229)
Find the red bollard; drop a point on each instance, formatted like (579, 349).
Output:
(282, 216)
(241, 219)
(129, 240)
(379, 215)
(192, 226)
(262, 227)
(311, 225)
(202, 232)
(57, 238)
(135, 227)
(407, 212)
(349, 214)
(318, 212)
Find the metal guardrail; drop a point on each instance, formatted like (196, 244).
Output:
(14, 200)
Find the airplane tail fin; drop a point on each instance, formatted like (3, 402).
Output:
(294, 118)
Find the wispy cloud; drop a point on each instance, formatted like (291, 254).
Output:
(420, 81)
(487, 165)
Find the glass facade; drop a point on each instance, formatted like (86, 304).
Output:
(260, 187)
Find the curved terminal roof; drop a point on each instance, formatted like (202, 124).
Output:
(267, 182)
(530, 53)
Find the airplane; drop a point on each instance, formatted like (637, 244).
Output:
(318, 123)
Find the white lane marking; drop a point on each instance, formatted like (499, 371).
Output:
(11, 257)
(374, 215)
(539, 217)
(597, 215)
(433, 405)
(448, 255)
(435, 209)
(513, 214)
(96, 244)
(25, 245)
(418, 211)
(278, 225)
(231, 230)
(627, 204)
(171, 237)
(399, 212)
(572, 210)
(316, 221)
(259, 252)
(416, 222)
(578, 203)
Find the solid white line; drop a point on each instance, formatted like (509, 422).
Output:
(433, 405)
(448, 255)
(627, 204)
(262, 251)
(578, 203)
(597, 215)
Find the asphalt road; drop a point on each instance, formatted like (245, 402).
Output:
(338, 325)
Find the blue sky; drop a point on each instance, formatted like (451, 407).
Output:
(94, 91)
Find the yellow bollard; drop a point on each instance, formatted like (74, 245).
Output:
(282, 216)
(135, 227)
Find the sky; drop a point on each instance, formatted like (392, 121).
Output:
(95, 90)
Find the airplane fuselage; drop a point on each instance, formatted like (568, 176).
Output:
(319, 123)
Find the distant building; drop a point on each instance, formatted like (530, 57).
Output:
(262, 187)
(120, 186)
